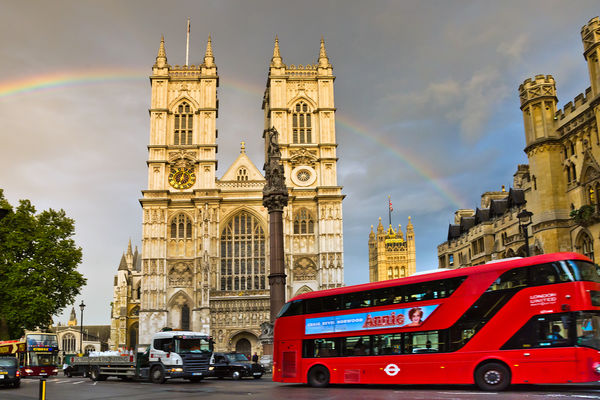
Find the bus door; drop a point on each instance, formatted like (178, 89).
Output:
(421, 364)
(291, 354)
(544, 351)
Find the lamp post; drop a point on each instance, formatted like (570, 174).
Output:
(81, 307)
(524, 221)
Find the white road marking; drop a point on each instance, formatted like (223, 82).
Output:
(78, 382)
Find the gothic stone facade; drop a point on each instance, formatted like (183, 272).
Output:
(391, 256)
(205, 240)
(561, 182)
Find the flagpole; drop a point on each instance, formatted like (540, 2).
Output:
(390, 209)
(187, 44)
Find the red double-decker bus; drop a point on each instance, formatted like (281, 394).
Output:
(37, 353)
(531, 320)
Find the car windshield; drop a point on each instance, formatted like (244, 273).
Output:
(8, 362)
(588, 330)
(237, 357)
(192, 345)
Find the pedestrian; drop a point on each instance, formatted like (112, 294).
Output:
(255, 358)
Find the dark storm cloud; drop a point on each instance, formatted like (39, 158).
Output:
(437, 80)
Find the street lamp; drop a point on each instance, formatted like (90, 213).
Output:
(524, 221)
(81, 307)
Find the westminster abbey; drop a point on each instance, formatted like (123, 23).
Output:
(204, 261)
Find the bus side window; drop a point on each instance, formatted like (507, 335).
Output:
(545, 274)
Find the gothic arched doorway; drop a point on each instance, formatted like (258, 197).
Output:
(243, 346)
(185, 318)
(133, 335)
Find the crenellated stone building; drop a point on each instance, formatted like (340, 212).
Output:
(391, 256)
(205, 240)
(560, 185)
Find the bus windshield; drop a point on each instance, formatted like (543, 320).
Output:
(42, 340)
(192, 345)
(588, 330)
(42, 360)
(581, 270)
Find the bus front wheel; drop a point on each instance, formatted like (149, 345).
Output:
(492, 376)
(318, 376)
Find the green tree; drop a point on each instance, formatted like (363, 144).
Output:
(38, 267)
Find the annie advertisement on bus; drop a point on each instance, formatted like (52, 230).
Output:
(395, 318)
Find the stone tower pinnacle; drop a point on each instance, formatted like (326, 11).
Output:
(161, 58)
(323, 59)
(276, 60)
(209, 60)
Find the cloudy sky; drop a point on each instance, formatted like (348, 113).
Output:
(426, 96)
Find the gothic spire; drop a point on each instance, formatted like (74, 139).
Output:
(209, 60)
(123, 264)
(129, 248)
(276, 60)
(323, 59)
(161, 58)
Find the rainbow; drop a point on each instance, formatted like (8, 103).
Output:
(66, 79)
(96, 76)
(404, 156)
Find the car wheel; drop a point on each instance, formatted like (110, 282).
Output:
(236, 375)
(492, 377)
(196, 379)
(318, 376)
(157, 375)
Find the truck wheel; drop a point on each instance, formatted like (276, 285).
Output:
(492, 377)
(69, 374)
(95, 375)
(318, 376)
(157, 375)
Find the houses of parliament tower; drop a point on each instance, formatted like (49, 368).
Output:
(205, 240)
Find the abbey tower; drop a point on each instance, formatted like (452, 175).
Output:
(204, 259)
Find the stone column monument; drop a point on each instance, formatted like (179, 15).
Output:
(275, 197)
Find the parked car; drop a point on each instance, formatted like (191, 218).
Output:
(9, 372)
(234, 365)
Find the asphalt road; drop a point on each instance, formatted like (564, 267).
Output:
(62, 388)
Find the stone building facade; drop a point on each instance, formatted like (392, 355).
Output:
(205, 240)
(391, 256)
(560, 185)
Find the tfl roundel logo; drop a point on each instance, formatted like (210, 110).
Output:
(392, 369)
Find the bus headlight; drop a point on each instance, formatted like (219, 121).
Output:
(596, 367)
(211, 368)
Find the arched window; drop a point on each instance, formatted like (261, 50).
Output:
(68, 343)
(572, 148)
(586, 245)
(243, 253)
(591, 196)
(390, 273)
(183, 124)
(181, 227)
(573, 174)
(242, 174)
(303, 222)
(568, 174)
(301, 124)
(185, 317)
(89, 348)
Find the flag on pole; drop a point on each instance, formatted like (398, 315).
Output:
(390, 200)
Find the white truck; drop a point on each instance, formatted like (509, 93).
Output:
(172, 354)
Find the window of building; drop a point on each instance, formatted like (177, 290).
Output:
(89, 348)
(301, 124)
(185, 317)
(181, 227)
(68, 343)
(242, 174)
(451, 260)
(243, 254)
(591, 196)
(586, 244)
(183, 124)
(303, 222)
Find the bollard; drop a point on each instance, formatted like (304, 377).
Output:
(42, 388)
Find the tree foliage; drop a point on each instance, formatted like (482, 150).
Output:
(38, 267)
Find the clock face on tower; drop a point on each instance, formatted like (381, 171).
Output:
(182, 178)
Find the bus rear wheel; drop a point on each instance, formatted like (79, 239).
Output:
(318, 376)
(492, 377)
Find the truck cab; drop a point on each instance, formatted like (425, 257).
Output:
(178, 354)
